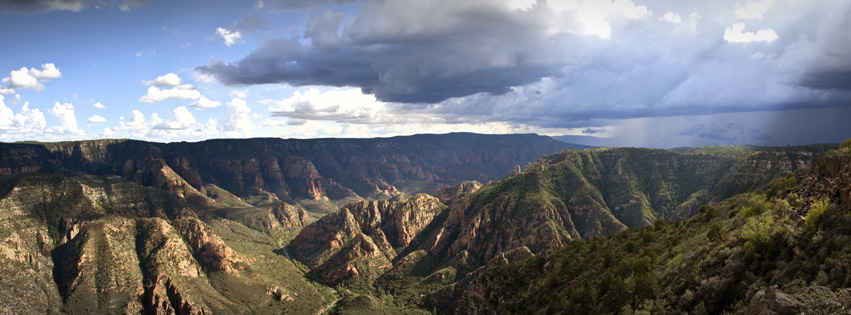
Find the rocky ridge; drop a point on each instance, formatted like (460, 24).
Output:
(362, 236)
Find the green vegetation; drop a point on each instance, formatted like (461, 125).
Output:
(756, 206)
(358, 304)
(712, 263)
(817, 213)
(734, 151)
(593, 192)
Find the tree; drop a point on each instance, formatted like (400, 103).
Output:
(714, 233)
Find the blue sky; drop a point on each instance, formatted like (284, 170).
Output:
(656, 73)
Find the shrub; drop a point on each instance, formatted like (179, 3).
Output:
(845, 144)
(647, 236)
(630, 246)
(757, 205)
(816, 212)
(708, 212)
(782, 207)
(781, 184)
(757, 233)
(794, 199)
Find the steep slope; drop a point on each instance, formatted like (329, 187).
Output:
(94, 244)
(361, 239)
(792, 234)
(99, 263)
(25, 259)
(590, 193)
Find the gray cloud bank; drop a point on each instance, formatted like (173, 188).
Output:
(41, 6)
(393, 50)
(546, 66)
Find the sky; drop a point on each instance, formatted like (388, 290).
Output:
(650, 73)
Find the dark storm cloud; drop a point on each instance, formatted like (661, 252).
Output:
(827, 80)
(409, 57)
(41, 6)
(830, 66)
(727, 133)
(589, 131)
(485, 61)
(299, 5)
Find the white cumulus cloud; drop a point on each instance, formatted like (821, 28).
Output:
(96, 119)
(201, 77)
(182, 126)
(238, 93)
(169, 79)
(21, 79)
(31, 78)
(238, 120)
(204, 103)
(64, 113)
(183, 120)
(48, 71)
(230, 37)
(737, 34)
(29, 122)
(138, 125)
(349, 105)
(108, 132)
(672, 17)
(186, 91)
(99, 105)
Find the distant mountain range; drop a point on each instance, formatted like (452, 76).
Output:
(386, 225)
(310, 173)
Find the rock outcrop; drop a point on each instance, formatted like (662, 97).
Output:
(770, 301)
(209, 249)
(448, 194)
(26, 265)
(362, 237)
(288, 216)
(829, 178)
